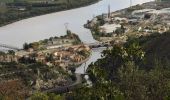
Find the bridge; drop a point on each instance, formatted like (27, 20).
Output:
(98, 44)
(9, 47)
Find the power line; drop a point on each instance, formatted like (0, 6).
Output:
(130, 3)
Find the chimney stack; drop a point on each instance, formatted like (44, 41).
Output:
(108, 11)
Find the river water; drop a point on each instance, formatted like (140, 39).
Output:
(45, 26)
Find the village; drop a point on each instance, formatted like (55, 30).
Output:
(63, 51)
(63, 54)
(136, 21)
(50, 64)
(54, 61)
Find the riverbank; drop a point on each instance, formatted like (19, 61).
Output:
(136, 21)
(46, 26)
(16, 11)
(53, 21)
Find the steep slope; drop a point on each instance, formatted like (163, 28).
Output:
(157, 48)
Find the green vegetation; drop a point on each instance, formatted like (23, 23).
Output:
(162, 0)
(137, 70)
(95, 32)
(156, 46)
(24, 77)
(122, 73)
(7, 1)
(42, 96)
(14, 10)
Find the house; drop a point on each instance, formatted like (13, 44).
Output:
(76, 58)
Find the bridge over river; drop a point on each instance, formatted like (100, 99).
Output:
(98, 44)
(4, 47)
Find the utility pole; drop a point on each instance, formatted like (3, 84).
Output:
(66, 26)
(130, 3)
(68, 4)
(85, 68)
(108, 11)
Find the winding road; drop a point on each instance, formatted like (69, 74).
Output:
(64, 89)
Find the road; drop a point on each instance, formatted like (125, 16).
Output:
(64, 89)
(61, 89)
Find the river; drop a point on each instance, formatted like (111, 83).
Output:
(45, 26)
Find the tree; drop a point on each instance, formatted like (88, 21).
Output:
(43, 96)
(120, 31)
(69, 33)
(50, 58)
(25, 46)
(95, 29)
(39, 96)
(131, 82)
(34, 45)
(11, 52)
(53, 96)
(99, 91)
(121, 68)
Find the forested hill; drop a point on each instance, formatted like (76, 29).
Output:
(14, 10)
(157, 47)
(123, 73)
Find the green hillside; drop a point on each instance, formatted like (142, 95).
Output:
(123, 73)
(162, 0)
(6, 1)
(14, 10)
